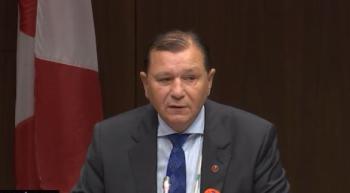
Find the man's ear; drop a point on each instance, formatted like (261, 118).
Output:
(143, 77)
(211, 74)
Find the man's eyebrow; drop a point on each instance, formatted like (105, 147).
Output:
(191, 70)
(162, 74)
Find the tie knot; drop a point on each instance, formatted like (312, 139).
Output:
(178, 139)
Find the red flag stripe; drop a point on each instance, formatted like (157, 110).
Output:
(71, 94)
(26, 170)
(28, 10)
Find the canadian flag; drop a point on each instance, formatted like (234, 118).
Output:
(58, 94)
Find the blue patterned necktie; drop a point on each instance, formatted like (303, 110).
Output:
(176, 170)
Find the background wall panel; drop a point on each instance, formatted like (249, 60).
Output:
(8, 35)
(115, 36)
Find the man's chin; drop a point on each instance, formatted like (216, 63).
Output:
(178, 123)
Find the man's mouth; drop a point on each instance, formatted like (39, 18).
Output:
(176, 106)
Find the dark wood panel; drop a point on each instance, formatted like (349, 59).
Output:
(7, 117)
(8, 34)
(115, 34)
(8, 25)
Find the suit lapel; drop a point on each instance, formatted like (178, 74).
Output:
(143, 156)
(216, 150)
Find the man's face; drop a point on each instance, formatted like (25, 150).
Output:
(177, 85)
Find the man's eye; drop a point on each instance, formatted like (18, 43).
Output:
(164, 79)
(190, 78)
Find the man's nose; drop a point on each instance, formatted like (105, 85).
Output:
(177, 90)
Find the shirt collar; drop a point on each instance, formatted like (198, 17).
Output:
(197, 125)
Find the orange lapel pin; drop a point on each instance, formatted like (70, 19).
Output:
(211, 190)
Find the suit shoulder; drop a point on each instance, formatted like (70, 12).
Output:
(240, 118)
(126, 120)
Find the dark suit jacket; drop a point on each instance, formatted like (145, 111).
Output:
(123, 155)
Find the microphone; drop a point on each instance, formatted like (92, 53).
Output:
(166, 184)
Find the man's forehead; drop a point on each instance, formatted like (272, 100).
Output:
(191, 56)
(189, 70)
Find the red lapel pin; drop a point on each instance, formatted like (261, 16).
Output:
(214, 168)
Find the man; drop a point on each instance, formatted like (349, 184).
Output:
(222, 149)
